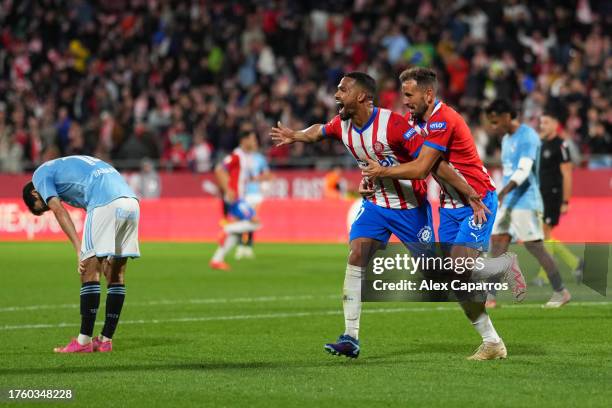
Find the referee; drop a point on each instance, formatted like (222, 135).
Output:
(555, 172)
(556, 187)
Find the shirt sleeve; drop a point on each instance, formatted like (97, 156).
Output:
(44, 183)
(405, 135)
(565, 152)
(439, 133)
(333, 128)
(529, 145)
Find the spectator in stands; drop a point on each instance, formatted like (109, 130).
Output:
(128, 73)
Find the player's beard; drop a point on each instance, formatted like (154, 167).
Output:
(344, 113)
(419, 111)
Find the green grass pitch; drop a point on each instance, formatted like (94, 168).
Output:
(254, 337)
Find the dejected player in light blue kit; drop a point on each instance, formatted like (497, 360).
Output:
(110, 235)
(520, 213)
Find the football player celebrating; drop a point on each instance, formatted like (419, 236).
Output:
(444, 134)
(396, 206)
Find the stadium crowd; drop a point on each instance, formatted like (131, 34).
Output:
(173, 80)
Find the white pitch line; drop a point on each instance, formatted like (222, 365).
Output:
(165, 302)
(286, 315)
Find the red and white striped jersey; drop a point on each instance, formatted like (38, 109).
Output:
(240, 166)
(385, 138)
(447, 131)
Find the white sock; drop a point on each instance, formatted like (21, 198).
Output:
(484, 327)
(492, 267)
(230, 241)
(104, 338)
(351, 301)
(83, 339)
(240, 227)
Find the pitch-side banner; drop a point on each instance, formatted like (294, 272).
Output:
(304, 184)
(288, 220)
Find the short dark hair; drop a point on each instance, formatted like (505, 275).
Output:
(365, 81)
(501, 106)
(424, 77)
(30, 200)
(556, 114)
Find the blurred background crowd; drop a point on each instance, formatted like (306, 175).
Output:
(173, 80)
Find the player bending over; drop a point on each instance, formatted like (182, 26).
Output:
(397, 206)
(232, 175)
(110, 235)
(444, 134)
(520, 215)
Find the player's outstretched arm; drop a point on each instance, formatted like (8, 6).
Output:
(64, 220)
(282, 135)
(446, 173)
(417, 169)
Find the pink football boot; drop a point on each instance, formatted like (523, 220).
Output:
(75, 347)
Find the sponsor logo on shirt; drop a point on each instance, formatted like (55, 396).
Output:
(409, 134)
(437, 126)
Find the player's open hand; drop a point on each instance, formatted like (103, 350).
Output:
(281, 135)
(366, 188)
(81, 268)
(480, 209)
(373, 170)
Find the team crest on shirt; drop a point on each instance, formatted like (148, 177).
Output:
(472, 224)
(437, 126)
(425, 234)
(379, 147)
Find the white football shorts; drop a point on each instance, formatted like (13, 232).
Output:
(522, 224)
(112, 230)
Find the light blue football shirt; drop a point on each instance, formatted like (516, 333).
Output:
(525, 142)
(81, 181)
(260, 166)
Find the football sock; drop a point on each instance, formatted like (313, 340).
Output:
(114, 303)
(484, 327)
(230, 241)
(351, 301)
(548, 263)
(250, 238)
(90, 301)
(493, 267)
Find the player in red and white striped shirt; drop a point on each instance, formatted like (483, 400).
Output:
(397, 206)
(232, 175)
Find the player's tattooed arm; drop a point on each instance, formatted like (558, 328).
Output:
(417, 169)
(445, 172)
(64, 220)
(282, 135)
